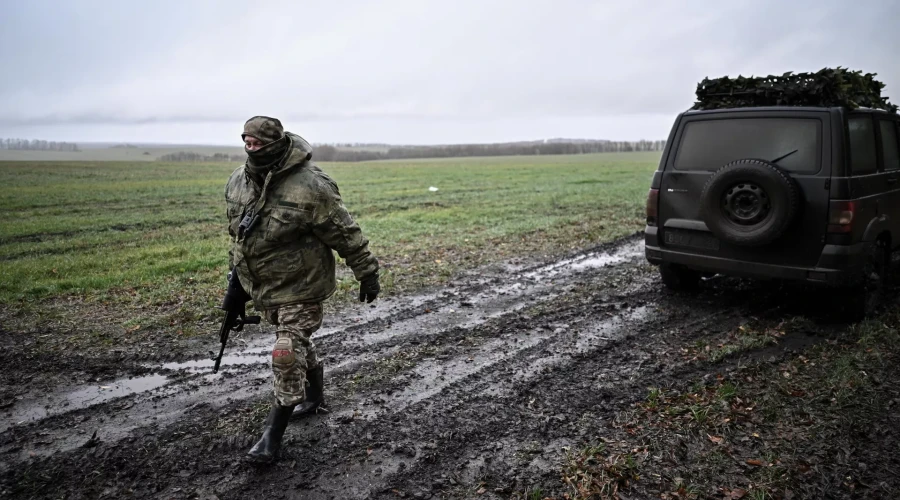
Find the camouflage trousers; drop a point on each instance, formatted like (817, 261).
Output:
(294, 352)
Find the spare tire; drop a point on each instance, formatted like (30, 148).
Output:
(749, 202)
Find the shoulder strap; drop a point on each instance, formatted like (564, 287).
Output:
(250, 219)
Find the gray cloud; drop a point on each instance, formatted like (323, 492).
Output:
(409, 71)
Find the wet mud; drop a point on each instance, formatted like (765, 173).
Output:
(472, 390)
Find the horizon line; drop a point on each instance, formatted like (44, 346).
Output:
(335, 143)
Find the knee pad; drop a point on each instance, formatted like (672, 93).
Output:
(283, 352)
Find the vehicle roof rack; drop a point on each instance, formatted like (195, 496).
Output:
(826, 88)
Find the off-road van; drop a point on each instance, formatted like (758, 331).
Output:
(795, 193)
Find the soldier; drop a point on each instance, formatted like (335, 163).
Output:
(285, 218)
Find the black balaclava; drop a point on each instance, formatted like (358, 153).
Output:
(271, 133)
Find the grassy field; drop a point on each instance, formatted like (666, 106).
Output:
(149, 234)
(97, 152)
(137, 154)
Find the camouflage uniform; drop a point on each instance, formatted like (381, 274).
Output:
(294, 352)
(286, 261)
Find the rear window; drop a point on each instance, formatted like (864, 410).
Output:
(862, 145)
(890, 145)
(711, 144)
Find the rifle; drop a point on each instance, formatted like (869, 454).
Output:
(234, 306)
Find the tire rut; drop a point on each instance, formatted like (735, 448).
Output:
(478, 411)
(458, 397)
(358, 339)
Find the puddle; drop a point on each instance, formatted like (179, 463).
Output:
(588, 261)
(83, 397)
(153, 401)
(599, 261)
(252, 356)
(256, 352)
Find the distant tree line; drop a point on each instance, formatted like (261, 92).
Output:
(189, 156)
(361, 145)
(37, 145)
(329, 152)
(552, 147)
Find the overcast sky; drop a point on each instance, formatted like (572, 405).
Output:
(407, 71)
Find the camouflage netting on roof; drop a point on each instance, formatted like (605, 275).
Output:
(825, 88)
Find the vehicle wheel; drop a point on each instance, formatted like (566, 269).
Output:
(679, 278)
(862, 300)
(749, 202)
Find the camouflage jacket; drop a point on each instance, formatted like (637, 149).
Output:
(287, 257)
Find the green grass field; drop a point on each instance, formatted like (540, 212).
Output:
(138, 154)
(96, 152)
(154, 233)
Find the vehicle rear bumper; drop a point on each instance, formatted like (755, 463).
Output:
(839, 265)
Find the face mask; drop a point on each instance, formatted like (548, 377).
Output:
(268, 154)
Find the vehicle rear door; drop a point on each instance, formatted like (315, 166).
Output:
(707, 141)
(888, 128)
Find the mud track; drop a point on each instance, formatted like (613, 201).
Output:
(471, 390)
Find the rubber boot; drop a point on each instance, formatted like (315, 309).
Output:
(315, 393)
(266, 449)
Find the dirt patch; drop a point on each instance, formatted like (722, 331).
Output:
(818, 424)
(519, 381)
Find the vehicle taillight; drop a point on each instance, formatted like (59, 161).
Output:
(652, 206)
(840, 218)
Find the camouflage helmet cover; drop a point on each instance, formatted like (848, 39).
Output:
(264, 128)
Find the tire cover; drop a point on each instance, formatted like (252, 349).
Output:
(756, 178)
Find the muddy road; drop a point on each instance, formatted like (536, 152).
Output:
(472, 390)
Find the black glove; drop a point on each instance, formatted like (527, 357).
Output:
(369, 288)
(235, 296)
